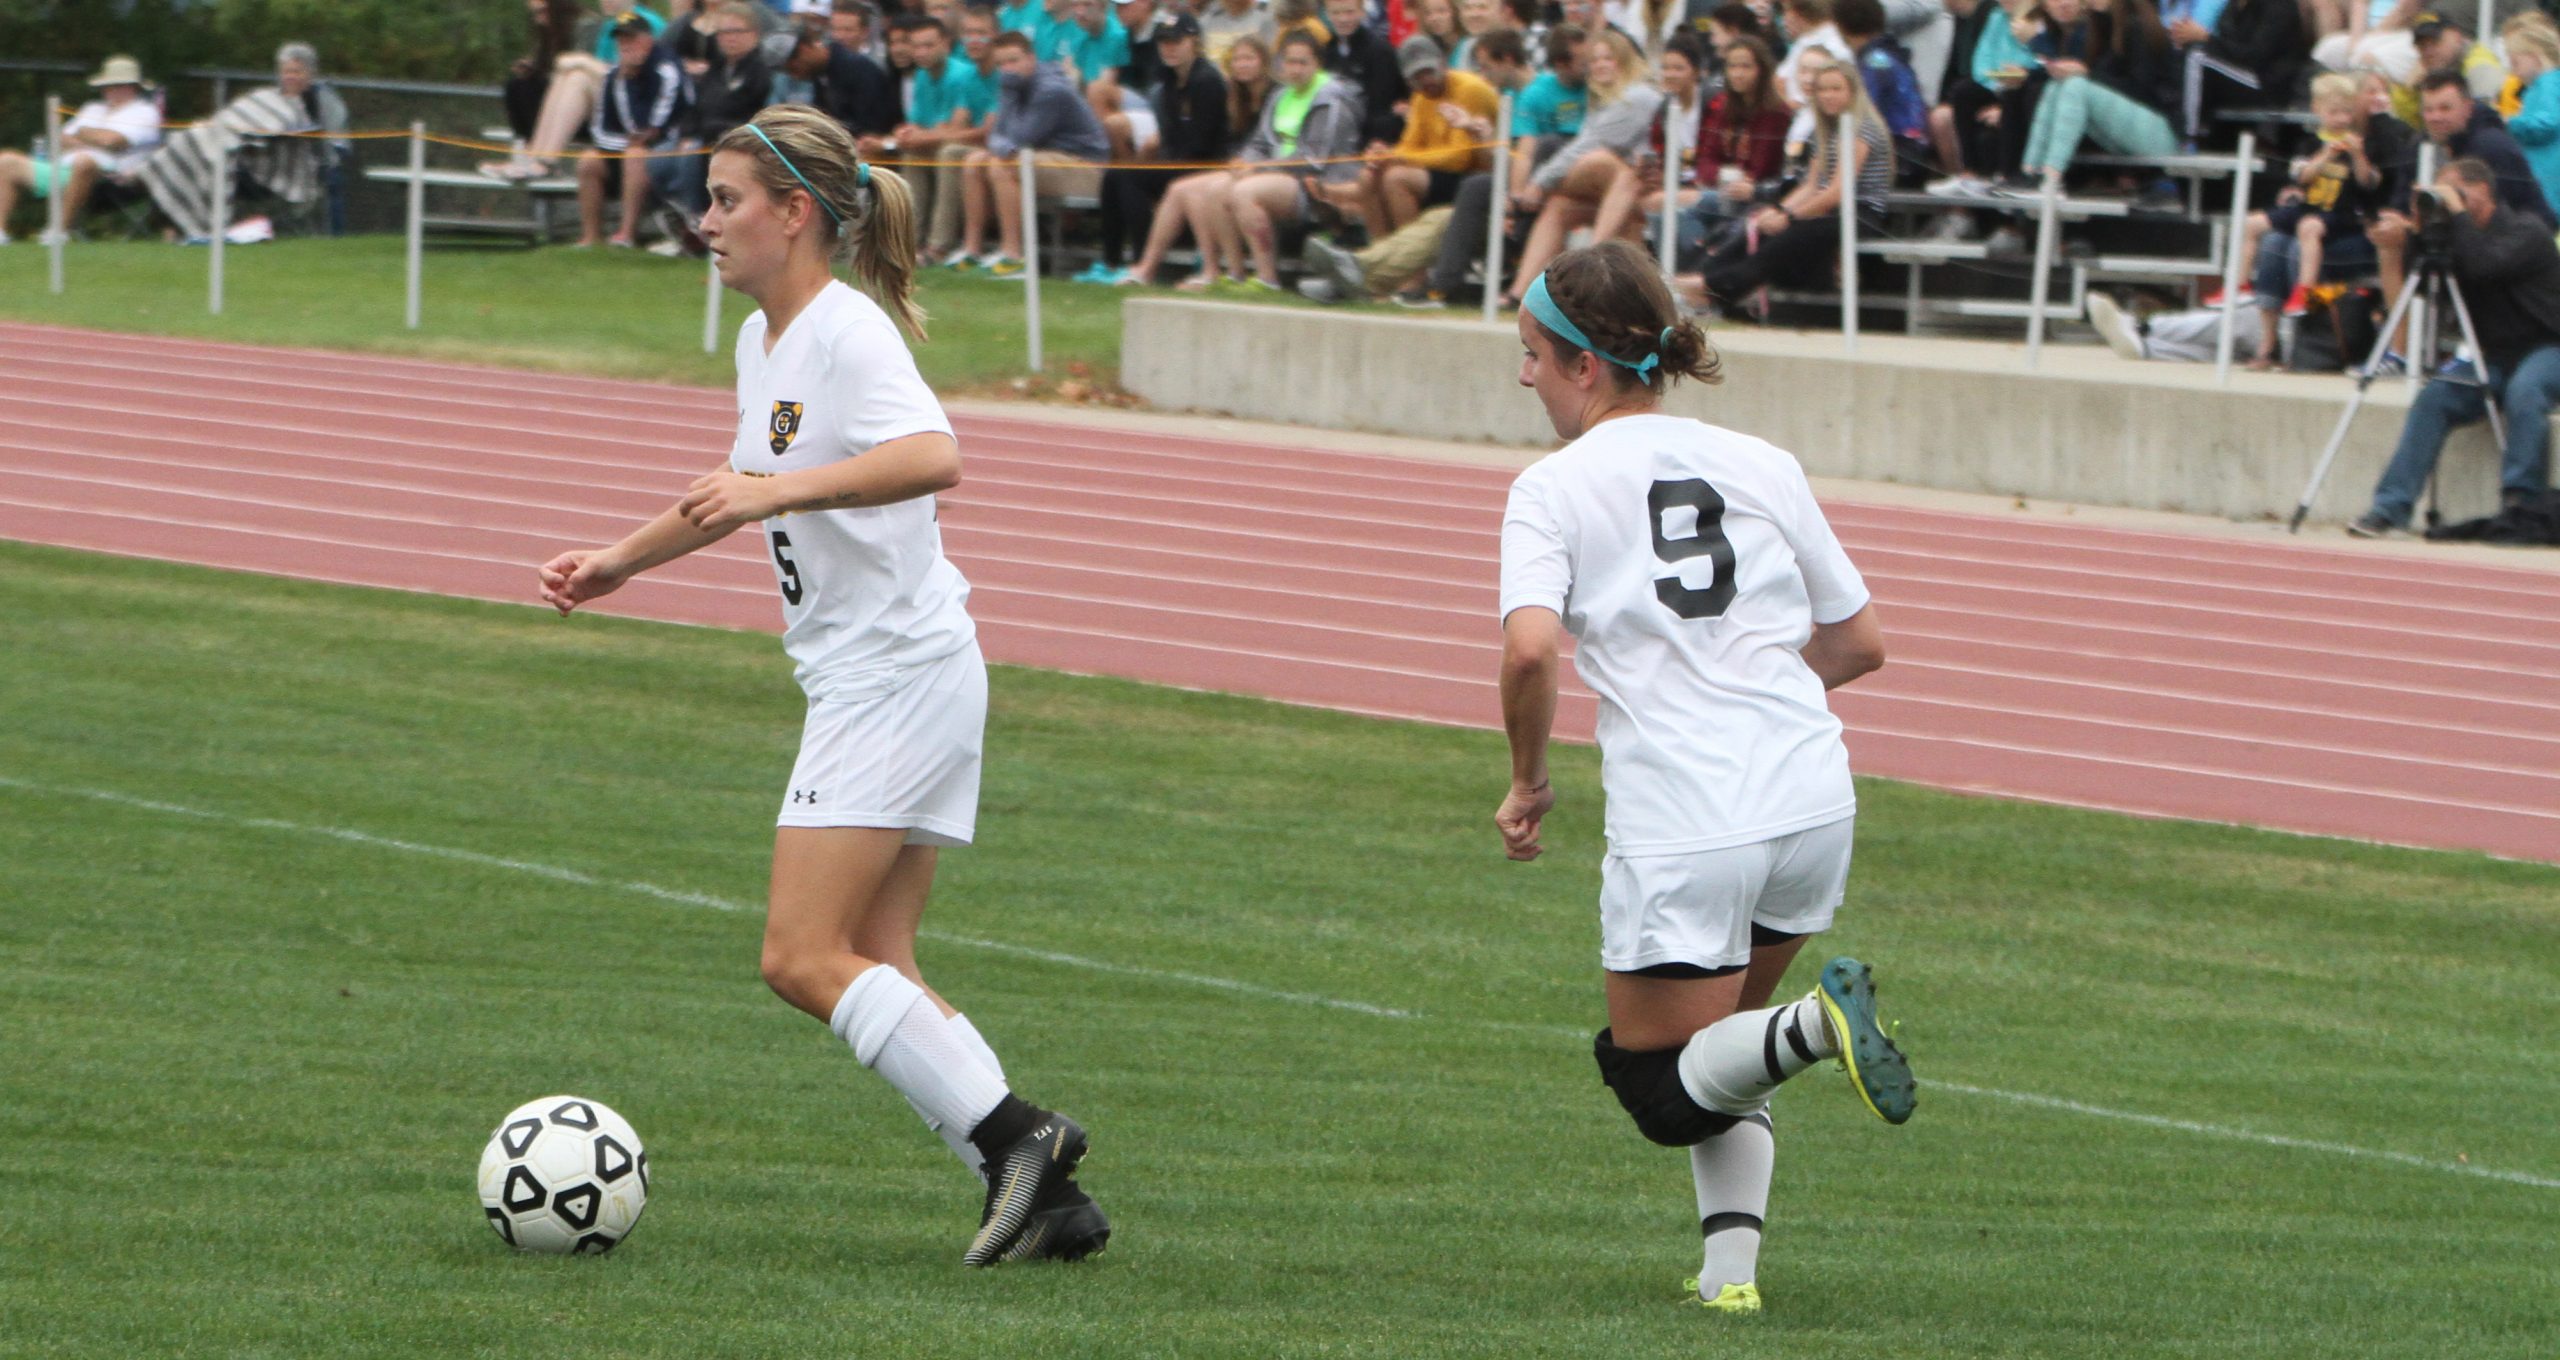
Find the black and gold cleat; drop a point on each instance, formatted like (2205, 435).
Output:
(1026, 1173)
(1070, 1228)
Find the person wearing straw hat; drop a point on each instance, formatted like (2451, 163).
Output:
(107, 137)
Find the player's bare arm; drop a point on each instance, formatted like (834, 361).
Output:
(898, 470)
(1841, 652)
(575, 577)
(1530, 658)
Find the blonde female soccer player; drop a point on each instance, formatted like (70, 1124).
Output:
(839, 450)
(1711, 608)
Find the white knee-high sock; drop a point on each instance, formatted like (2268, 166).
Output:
(897, 1031)
(952, 1135)
(1732, 1065)
(1732, 1173)
(977, 1044)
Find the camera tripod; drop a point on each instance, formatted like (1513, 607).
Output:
(2429, 277)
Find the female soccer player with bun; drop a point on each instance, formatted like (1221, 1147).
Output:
(1711, 608)
(839, 450)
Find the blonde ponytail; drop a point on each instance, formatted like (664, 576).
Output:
(882, 243)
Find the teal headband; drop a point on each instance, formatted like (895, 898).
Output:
(861, 174)
(1552, 317)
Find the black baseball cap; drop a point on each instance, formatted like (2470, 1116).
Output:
(1177, 25)
(632, 27)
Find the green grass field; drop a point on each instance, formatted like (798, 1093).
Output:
(253, 1045)
(612, 313)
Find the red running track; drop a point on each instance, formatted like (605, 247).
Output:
(2309, 689)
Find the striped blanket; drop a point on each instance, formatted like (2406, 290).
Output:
(180, 175)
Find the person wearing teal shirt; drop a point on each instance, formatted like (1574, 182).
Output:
(949, 104)
(1549, 107)
(1032, 19)
(1089, 42)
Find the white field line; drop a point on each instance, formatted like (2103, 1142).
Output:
(559, 874)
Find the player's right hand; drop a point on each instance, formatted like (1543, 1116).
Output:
(1519, 817)
(573, 578)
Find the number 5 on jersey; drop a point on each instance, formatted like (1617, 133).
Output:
(781, 544)
(1705, 540)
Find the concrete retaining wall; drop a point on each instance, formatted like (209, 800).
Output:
(1954, 415)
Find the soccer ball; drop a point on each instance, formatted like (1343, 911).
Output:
(563, 1174)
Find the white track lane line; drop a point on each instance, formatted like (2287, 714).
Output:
(1178, 613)
(2399, 692)
(2387, 634)
(1233, 986)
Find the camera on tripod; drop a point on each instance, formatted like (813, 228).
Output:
(2431, 220)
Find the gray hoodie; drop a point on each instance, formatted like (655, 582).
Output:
(1331, 132)
(1622, 125)
(1045, 113)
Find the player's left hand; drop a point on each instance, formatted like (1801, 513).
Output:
(1519, 817)
(724, 500)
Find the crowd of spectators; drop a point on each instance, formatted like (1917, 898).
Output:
(1234, 131)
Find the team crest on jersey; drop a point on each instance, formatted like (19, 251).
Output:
(786, 426)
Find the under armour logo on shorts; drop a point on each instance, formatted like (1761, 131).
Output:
(804, 796)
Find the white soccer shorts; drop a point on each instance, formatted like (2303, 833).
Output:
(1698, 907)
(907, 757)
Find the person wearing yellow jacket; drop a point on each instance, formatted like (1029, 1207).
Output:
(1447, 129)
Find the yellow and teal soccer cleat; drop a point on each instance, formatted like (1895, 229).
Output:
(1874, 1062)
(1733, 1298)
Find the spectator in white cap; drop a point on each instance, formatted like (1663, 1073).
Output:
(108, 137)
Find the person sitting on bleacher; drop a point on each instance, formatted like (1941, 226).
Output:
(642, 99)
(1668, 163)
(732, 89)
(298, 79)
(949, 104)
(108, 137)
(1091, 43)
(1811, 37)
(1367, 62)
(2247, 51)
(1310, 134)
(1742, 144)
(1565, 192)
(1197, 201)
(1038, 109)
(1891, 85)
(1798, 241)
(2115, 87)
(2509, 273)
(1224, 21)
(2533, 52)
(1437, 150)
(845, 83)
(2363, 163)
(1190, 108)
(2444, 45)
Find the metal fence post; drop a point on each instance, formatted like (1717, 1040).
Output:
(221, 224)
(1670, 245)
(2048, 228)
(417, 213)
(1031, 253)
(2423, 320)
(1847, 183)
(1501, 206)
(2231, 245)
(54, 225)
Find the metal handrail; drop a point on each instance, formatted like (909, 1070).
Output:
(226, 74)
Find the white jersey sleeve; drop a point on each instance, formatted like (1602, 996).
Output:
(1832, 584)
(1537, 567)
(880, 396)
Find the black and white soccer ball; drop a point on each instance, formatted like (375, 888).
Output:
(564, 1174)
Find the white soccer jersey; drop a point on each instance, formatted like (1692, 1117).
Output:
(1690, 563)
(866, 593)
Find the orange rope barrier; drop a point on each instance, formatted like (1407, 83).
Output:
(654, 153)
